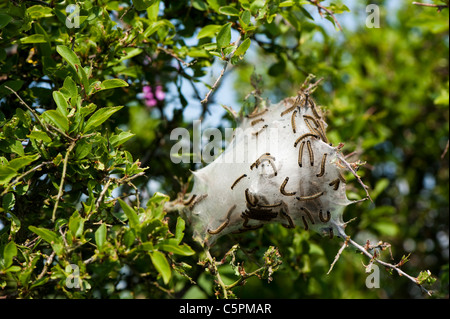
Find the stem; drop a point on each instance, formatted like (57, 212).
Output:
(438, 6)
(373, 258)
(30, 109)
(216, 273)
(61, 185)
(349, 167)
(204, 102)
(23, 175)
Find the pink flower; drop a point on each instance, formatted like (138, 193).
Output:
(159, 93)
(150, 102)
(150, 98)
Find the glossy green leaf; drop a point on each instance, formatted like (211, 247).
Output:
(4, 20)
(99, 117)
(179, 230)
(69, 56)
(112, 83)
(161, 264)
(224, 36)
(142, 5)
(49, 236)
(23, 161)
(56, 118)
(34, 38)
(208, 31)
(100, 236)
(39, 135)
(229, 10)
(8, 201)
(182, 250)
(61, 103)
(133, 218)
(9, 252)
(6, 174)
(243, 47)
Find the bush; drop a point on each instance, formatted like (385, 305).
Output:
(89, 94)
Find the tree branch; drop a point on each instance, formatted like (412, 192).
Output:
(61, 185)
(30, 109)
(375, 259)
(438, 6)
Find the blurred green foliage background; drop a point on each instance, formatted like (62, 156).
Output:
(386, 96)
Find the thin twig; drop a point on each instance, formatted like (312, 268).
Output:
(23, 175)
(331, 13)
(205, 100)
(383, 263)
(349, 167)
(227, 59)
(438, 6)
(344, 245)
(216, 273)
(61, 184)
(47, 263)
(102, 194)
(29, 108)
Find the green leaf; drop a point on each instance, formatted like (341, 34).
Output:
(120, 138)
(35, 38)
(162, 266)
(112, 83)
(286, 4)
(200, 5)
(141, 5)
(83, 149)
(229, 10)
(69, 88)
(9, 252)
(61, 103)
(38, 11)
(182, 250)
(69, 56)
(49, 236)
(4, 20)
(8, 201)
(16, 147)
(40, 135)
(224, 36)
(425, 277)
(208, 31)
(76, 225)
(99, 117)
(23, 161)
(243, 47)
(6, 174)
(57, 119)
(133, 218)
(179, 230)
(100, 237)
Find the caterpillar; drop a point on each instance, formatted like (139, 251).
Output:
(322, 165)
(322, 219)
(294, 128)
(310, 151)
(311, 197)
(308, 213)
(224, 224)
(282, 191)
(300, 153)
(304, 136)
(253, 115)
(196, 200)
(257, 132)
(238, 180)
